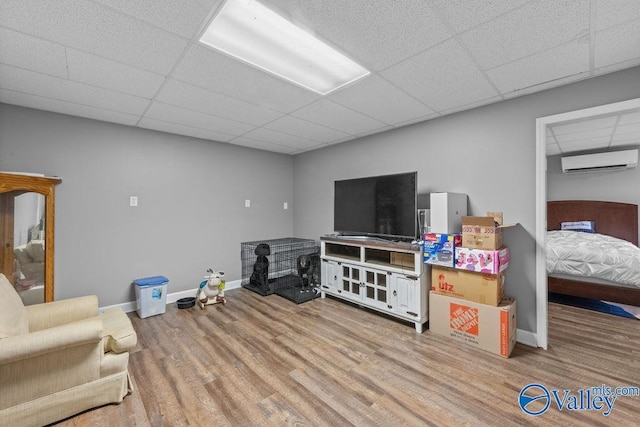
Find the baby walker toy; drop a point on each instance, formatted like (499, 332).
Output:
(211, 291)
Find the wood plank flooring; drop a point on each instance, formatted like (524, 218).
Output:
(264, 361)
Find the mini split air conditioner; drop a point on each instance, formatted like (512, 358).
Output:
(609, 161)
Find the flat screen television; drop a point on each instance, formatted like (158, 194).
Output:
(382, 206)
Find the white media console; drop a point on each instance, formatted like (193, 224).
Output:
(385, 276)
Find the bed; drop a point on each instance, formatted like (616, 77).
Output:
(611, 218)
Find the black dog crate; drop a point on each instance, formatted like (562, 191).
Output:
(289, 267)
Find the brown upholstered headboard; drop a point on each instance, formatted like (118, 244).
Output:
(614, 219)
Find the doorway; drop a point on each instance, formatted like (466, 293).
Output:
(586, 118)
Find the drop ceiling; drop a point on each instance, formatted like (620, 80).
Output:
(139, 63)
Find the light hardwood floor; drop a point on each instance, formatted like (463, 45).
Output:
(263, 361)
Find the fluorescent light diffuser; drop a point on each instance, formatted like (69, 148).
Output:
(247, 30)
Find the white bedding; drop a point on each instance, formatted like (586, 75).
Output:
(593, 255)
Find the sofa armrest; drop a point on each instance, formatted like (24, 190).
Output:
(48, 315)
(53, 339)
(40, 364)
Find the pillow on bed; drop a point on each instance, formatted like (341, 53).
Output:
(584, 226)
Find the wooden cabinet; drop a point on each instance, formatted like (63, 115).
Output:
(13, 185)
(384, 276)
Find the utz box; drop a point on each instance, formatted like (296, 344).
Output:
(482, 260)
(481, 232)
(489, 328)
(480, 288)
(440, 249)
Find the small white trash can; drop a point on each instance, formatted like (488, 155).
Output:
(151, 295)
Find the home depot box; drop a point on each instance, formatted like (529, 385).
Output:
(476, 287)
(482, 260)
(481, 232)
(439, 249)
(489, 328)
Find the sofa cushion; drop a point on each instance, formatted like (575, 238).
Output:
(13, 315)
(119, 335)
(35, 248)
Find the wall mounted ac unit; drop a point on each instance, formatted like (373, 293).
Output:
(609, 161)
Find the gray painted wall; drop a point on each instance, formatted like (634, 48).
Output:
(616, 186)
(191, 212)
(487, 153)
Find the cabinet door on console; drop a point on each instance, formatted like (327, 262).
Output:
(350, 282)
(376, 287)
(329, 276)
(406, 294)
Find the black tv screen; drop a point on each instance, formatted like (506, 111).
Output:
(378, 206)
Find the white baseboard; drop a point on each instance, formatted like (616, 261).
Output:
(527, 338)
(130, 306)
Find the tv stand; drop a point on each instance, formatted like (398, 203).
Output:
(385, 276)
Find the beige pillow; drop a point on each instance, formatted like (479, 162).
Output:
(13, 315)
(36, 250)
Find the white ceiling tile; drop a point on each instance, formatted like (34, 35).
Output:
(21, 50)
(63, 107)
(533, 28)
(614, 12)
(548, 85)
(327, 113)
(93, 28)
(616, 67)
(553, 149)
(618, 44)
(195, 98)
(443, 77)
(223, 74)
(377, 33)
(379, 99)
(629, 118)
(184, 17)
(305, 129)
(274, 137)
(626, 139)
(18, 80)
(465, 14)
(578, 126)
(631, 128)
(568, 59)
(195, 119)
(589, 134)
(159, 125)
(417, 120)
(585, 144)
(107, 74)
(267, 146)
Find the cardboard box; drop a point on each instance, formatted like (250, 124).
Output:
(476, 287)
(481, 232)
(489, 328)
(440, 249)
(482, 260)
(402, 260)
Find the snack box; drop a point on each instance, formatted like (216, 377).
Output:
(482, 260)
(481, 232)
(490, 328)
(476, 287)
(439, 249)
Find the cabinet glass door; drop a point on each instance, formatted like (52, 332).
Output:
(376, 287)
(351, 281)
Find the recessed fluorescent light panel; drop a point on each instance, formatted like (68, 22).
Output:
(247, 30)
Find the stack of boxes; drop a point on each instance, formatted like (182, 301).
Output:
(467, 299)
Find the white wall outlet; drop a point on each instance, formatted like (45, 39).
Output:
(133, 201)
(285, 205)
(247, 203)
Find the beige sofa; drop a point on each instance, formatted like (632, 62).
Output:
(60, 358)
